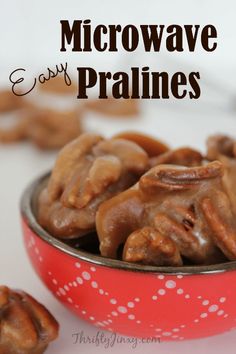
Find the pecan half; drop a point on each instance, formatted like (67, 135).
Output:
(26, 326)
(152, 146)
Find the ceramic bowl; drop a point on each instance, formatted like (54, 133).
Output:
(141, 301)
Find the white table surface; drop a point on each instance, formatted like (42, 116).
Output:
(29, 37)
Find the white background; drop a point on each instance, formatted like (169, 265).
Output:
(30, 38)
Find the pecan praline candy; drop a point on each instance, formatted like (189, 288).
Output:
(121, 108)
(87, 172)
(172, 214)
(46, 128)
(26, 326)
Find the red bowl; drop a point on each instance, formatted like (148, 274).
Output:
(141, 301)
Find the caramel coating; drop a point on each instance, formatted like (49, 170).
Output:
(187, 205)
(148, 246)
(47, 129)
(221, 145)
(114, 107)
(26, 326)
(88, 171)
(183, 157)
(152, 146)
(223, 148)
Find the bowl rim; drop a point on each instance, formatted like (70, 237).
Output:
(29, 217)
